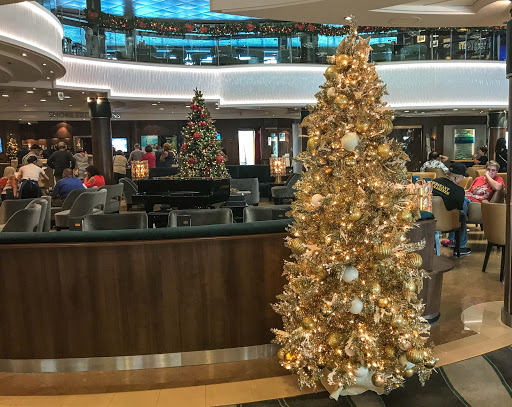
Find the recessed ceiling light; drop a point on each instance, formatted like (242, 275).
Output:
(67, 97)
(51, 71)
(406, 111)
(44, 64)
(455, 110)
(43, 100)
(23, 55)
(153, 104)
(161, 108)
(348, 18)
(30, 91)
(25, 105)
(5, 95)
(70, 105)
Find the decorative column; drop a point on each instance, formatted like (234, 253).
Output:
(296, 146)
(506, 311)
(497, 122)
(101, 131)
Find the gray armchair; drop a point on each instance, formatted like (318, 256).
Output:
(261, 213)
(129, 189)
(44, 217)
(280, 193)
(25, 220)
(249, 187)
(87, 203)
(114, 195)
(70, 199)
(475, 208)
(115, 221)
(200, 217)
(10, 206)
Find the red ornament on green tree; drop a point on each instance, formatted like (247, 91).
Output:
(200, 151)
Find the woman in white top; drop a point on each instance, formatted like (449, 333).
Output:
(31, 171)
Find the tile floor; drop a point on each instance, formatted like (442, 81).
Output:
(469, 326)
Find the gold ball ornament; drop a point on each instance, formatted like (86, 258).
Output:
(341, 101)
(378, 380)
(328, 171)
(384, 127)
(414, 355)
(412, 287)
(383, 150)
(331, 59)
(331, 72)
(313, 143)
(342, 60)
(376, 288)
(350, 161)
(362, 126)
(281, 353)
(355, 214)
(288, 357)
(382, 250)
(409, 373)
(296, 246)
(406, 216)
(334, 339)
(354, 75)
(308, 323)
(383, 302)
(414, 260)
(397, 322)
(390, 351)
(431, 363)
(326, 310)
(371, 100)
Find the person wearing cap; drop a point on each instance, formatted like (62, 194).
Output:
(483, 188)
(454, 197)
(60, 160)
(35, 150)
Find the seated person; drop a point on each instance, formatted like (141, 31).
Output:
(483, 187)
(435, 160)
(453, 198)
(480, 158)
(92, 177)
(8, 184)
(64, 186)
(30, 173)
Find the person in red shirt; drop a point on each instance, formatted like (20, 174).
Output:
(149, 157)
(483, 188)
(92, 177)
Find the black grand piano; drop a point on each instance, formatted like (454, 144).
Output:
(181, 193)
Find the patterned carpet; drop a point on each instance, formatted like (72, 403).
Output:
(483, 381)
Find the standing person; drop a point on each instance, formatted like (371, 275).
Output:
(136, 154)
(120, 165)
(93, 178)
(453, 198)
(82, 161)
(149, 157)
(166, 158)
(28, 177)
(483, 187)
(435, 161)
(480, 158)
(501, 153)
(35, 151)
(64, 186)
(60, 160)
(8, 184)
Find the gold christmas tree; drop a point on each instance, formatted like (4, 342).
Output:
(350, 309)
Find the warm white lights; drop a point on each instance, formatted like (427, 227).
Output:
(42, 100)
(23, 55)
(30, 91)
(5, 95)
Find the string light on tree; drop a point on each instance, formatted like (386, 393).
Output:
(351, 315)
(12, 148)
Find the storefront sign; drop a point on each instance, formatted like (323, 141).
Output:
(68, 115)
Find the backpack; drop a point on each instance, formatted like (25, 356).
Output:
(29, 189)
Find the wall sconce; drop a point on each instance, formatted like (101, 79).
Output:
(140, 170)
(277, 168)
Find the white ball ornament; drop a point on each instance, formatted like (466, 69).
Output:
(350, 141)
(316, 200)
(349, 351)
(350, 274)
(331, 92)
(357, 306)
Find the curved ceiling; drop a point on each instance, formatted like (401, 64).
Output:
(390, 13)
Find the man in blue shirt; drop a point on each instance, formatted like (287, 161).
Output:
(64, 186)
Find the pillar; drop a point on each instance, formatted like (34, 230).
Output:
(497, 122)
(296, 146)
(101, 131)
(506, 311)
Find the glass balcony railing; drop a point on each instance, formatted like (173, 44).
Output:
(143, 45)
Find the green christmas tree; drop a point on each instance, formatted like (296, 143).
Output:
(200, 154)
(12, 148)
